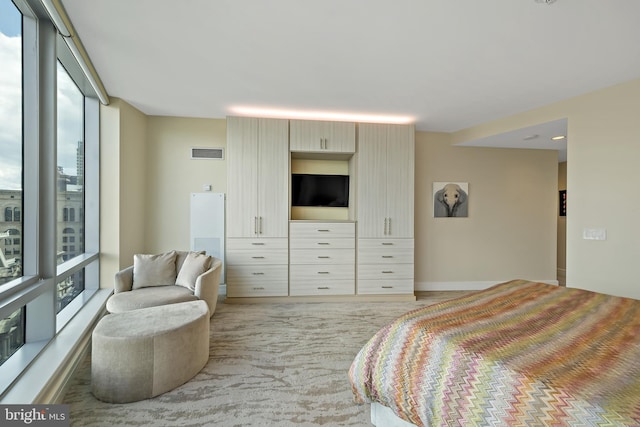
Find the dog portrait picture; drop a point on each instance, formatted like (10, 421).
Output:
(450, 199)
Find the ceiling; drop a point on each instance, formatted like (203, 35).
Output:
(447, 65)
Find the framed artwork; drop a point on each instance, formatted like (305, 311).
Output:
(450, 199)
(563, 203)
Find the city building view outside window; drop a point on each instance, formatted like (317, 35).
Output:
(70, 185)
(12, 327)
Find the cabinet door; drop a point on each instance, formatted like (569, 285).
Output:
(322, 137)
(273, 178)
(372, 180)
(340, 137)
(242, 176)
(400, 180)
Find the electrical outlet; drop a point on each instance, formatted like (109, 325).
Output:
(594, 234)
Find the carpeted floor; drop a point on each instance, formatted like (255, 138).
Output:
(269, 365)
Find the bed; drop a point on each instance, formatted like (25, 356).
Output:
(519, 353)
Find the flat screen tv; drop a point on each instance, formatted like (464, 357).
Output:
(320, 190)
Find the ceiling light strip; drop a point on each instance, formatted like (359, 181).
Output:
(320, 115)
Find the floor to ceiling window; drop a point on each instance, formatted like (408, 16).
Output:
(49, 185)
(12, 323)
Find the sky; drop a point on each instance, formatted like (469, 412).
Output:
(70, 108)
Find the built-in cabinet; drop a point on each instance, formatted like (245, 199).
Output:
(371, 254)
(385, 209)
(322, 137)
(322, 258)
(257, 207)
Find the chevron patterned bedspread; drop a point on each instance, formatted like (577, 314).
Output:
(517, 354)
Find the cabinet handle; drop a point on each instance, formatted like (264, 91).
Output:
(387, 244)
(260, 222)
(385, 226)
(324, 257)
(258, 289)
(323, 272)
(389, 226)
(387, 256)
(324, 243)
(321, 144)
(387, 287)
(261, 274)
(255, 225)
(257, 257)
(324, 230)
(257, 244)
(323, 287)
(387, 272)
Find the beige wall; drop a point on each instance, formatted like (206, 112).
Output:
(511, 228)
(123, 166)
(500, 240)
(172, 176)
(603, 148)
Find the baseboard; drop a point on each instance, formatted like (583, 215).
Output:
(467, 285)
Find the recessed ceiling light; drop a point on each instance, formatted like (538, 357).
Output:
(320, 115)
(558, 138)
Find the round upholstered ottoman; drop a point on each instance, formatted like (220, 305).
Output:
(142, 353)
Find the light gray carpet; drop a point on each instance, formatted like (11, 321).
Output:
(270, 365)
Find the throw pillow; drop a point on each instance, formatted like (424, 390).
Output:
(194, 265)
(182, 255)
(154, 270)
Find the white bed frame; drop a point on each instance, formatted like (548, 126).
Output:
(381, 416)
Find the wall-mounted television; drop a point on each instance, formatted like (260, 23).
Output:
(319, 190)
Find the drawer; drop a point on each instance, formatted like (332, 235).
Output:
(371, 287)
(323, 256)
(385, 271)
(257, 256)
(265, 243)
(322, 272)
(315, 243)
(260, 288)
(322, 230)
(330, 287)
(385, 243)
(249, 274)
(385, 255)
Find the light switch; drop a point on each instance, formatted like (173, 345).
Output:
(594, 234)
(206, 187)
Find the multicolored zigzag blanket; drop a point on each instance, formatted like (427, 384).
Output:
(517, 354)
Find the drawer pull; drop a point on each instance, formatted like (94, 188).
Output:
(257, 257)
(387, 272)
(323, 272)
(324, 231)
(323, 287)
(387, 244)
(387, 256)
(258, 274)
(387, 287)
(324, 243)
(324, 257)
(258, 289)
(257, 244)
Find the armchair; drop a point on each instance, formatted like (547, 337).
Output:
(168, 278)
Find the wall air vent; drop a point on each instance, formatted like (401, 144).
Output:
(207, 153)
